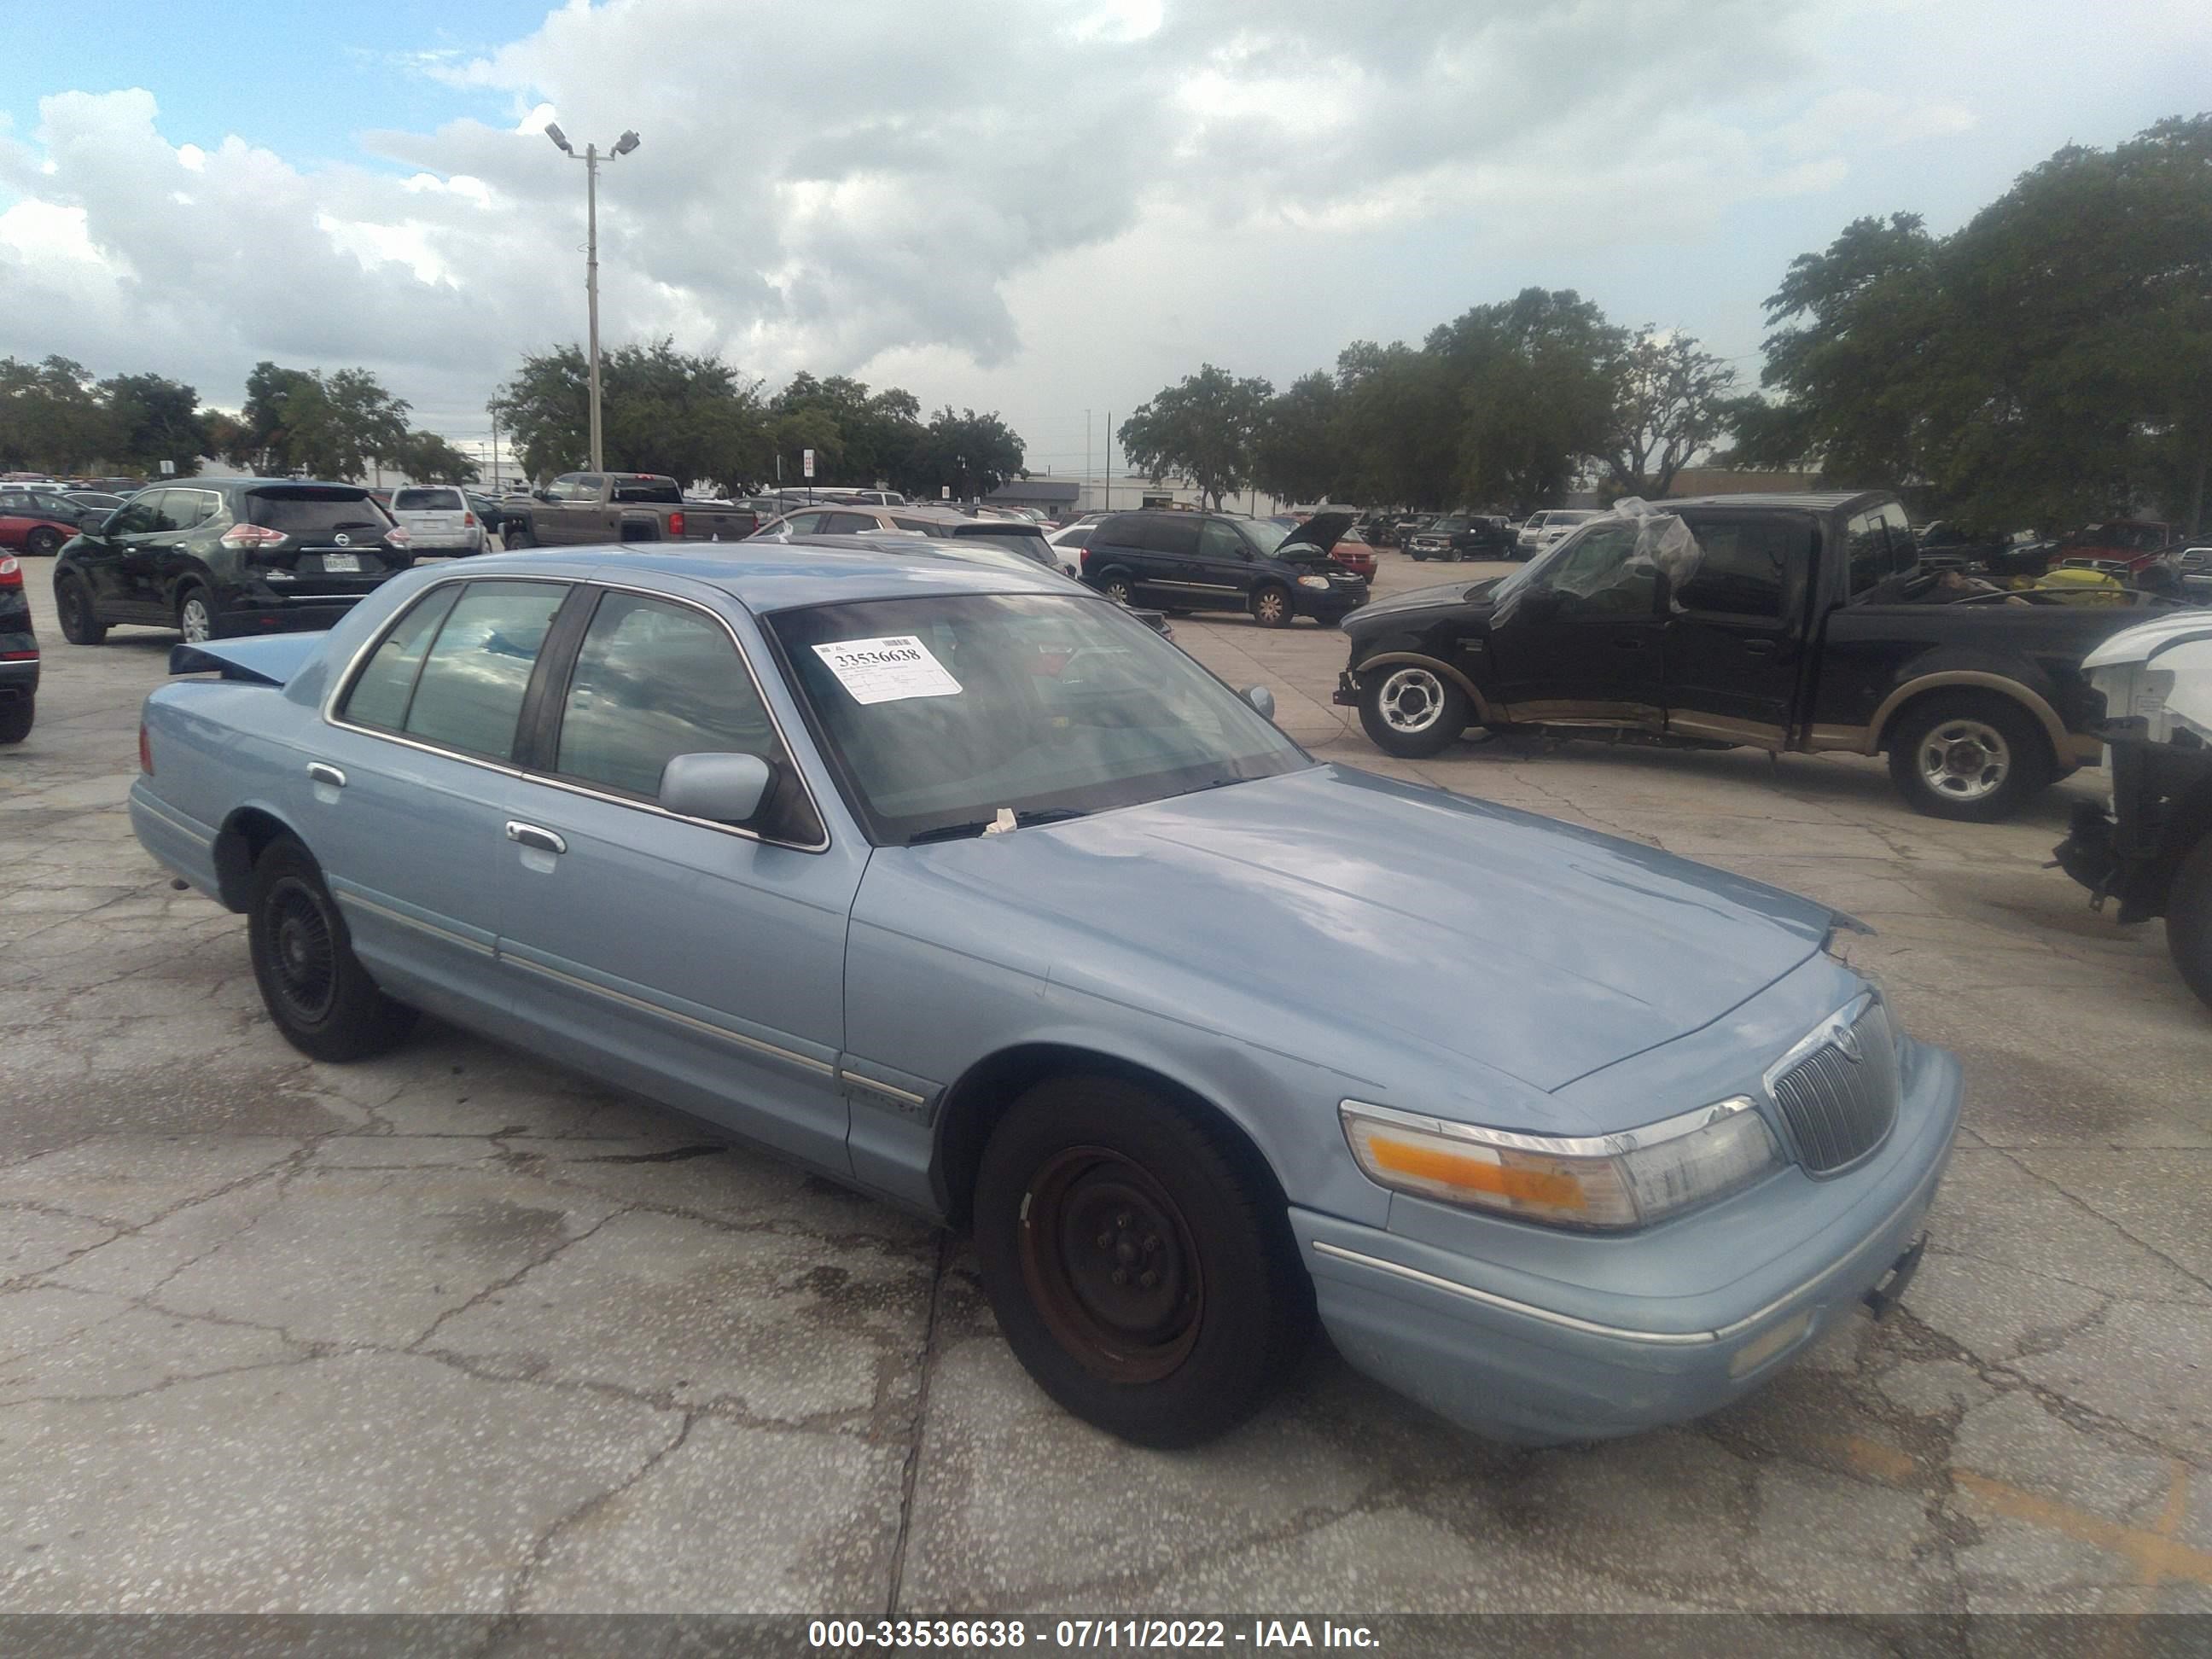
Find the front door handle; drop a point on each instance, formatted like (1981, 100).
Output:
(1759, 648)
(528, 835)
(1627, 642)
(324, 772)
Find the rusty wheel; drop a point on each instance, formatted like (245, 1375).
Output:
(1109, 1259)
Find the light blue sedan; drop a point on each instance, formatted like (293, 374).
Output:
(964, 888)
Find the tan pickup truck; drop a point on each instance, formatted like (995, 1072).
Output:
(580, 508)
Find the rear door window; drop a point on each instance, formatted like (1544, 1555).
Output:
(1177, 535)
(386, 685)
(1866, 549)
(849, 524)
(468, 694)
(1903, 553)
(1744, 568)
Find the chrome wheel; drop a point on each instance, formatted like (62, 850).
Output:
(194, 620)
(1411, 701)
(1965, 759)
(1116, 589)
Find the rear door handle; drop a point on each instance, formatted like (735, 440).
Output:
(324, 772)
(528, 835)
(1627, 642)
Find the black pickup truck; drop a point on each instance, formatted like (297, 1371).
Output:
(1784, 623)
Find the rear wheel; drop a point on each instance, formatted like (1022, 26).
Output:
(1411, 710)
(80, 622)
(2188, 920)
(514, 533)
(44, 540)
(1271, 606)
(1115, 586)
(316, 991)
(1141, 1268)
(195, 615)
(16, 718)
(1969, 756)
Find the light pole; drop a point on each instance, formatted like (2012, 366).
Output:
(590, 158)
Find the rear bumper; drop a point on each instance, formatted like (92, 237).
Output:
(178, 842)
(1471, 1341)
(261, 612)
(18, 679)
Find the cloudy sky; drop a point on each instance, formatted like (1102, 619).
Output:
(1038, 206)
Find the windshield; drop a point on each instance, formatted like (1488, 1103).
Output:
(936, 713)
(1538, 570)
(1267, 535)
(1449, 524)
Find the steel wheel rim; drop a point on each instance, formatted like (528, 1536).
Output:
(1095, 1228)
(302, 951)
(1965, 759)
(1271, 607)
(1118, 590)
(1412, 700)
(192, 620)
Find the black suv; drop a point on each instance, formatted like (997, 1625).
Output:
(1452, 536)
(19, 654)
(1184, 562)
(219, 556)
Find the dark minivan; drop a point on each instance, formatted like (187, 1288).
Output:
(1209, 562)
(219, 556)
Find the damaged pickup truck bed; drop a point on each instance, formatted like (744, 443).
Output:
(1782, 621)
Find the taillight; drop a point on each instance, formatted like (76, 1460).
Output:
(397, 535)
(145, 750)
(11, 571)
(468, 521)
(241, 536)
(675, 523)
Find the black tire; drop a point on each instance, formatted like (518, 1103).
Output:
(515, 534)
(43, 542)
(318, 993)
(1972, 756)
(16, 717)
(1272, 606)
(196, 614)
(1115, 584)
(1410, 710)
(1419, 558)
(1080, 1159)
(80, 617)
(2188, 920)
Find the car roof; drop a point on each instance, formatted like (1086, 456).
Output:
(1803, 500)
(771, 576)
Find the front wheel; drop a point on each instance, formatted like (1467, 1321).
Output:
(44, 541)
(2188, 920)
(314, 988)
(1139, 1264)
(80, 622)
(1972, 756)
(1411, 710)
(1272, 607)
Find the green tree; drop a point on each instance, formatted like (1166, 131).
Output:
(52, 419)
(971, 455)
(874, 433)
(1396, 426)
(155, 419)
(1206, 429)
(692, 418)
(426, 458)
(1536, 378)
(1297, 457)
(1670, 401)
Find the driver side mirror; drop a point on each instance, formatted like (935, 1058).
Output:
(721, 788)
(1261, 698)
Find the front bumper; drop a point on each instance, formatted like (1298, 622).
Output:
(1539, 1360)
(1331, 607)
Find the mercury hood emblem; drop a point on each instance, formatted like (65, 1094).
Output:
(1847, 1044)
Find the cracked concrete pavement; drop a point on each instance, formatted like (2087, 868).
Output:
(454, 1331)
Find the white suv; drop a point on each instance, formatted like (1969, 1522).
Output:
(1544, 528)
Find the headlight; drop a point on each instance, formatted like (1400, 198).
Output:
(1600, 1181)
(1322, 582)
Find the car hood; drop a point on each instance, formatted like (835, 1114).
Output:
(1320, 532)
(1449, 596)
(1484, 937)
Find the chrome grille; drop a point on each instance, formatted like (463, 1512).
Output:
(1839, 1110)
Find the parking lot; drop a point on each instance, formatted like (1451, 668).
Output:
(455, 1331)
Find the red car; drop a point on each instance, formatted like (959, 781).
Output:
(2119, 547)
(28, 532)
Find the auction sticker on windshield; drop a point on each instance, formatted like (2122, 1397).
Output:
(887, 670)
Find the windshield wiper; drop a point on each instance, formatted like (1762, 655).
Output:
(1022, 821)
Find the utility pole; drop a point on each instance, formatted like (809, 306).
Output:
(1107, 505)
(1086, 447)
(590, 158)
(494, 453)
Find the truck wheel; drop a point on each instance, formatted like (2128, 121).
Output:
(1142, 1269)
(2188, 920)
(514, 533)
(1969, 756)
(1413, 711)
